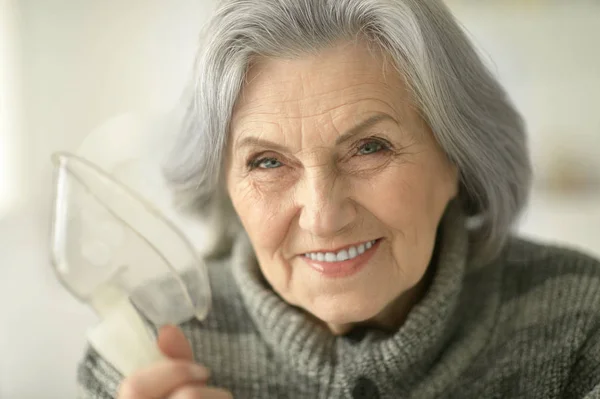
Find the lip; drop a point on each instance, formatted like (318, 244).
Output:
(345, 268)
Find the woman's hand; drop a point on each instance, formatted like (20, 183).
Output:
(176, 378)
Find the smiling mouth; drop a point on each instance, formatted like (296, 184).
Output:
(343, 263)
(347, 253)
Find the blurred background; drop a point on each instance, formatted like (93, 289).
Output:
(70, 68)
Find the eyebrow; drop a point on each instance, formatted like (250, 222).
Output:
(348, 135)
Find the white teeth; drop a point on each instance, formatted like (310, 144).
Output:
(342, 255)
(330, 257)
(352, 252)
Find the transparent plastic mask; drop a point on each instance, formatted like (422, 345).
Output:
(111, 247)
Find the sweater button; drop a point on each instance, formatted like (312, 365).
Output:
(364, 388)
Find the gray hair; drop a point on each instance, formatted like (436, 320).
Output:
(468, 111)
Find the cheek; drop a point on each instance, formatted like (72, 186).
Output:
(409, 200)
(267, 218)
(396, 197)
(265, 215)
(410, 194)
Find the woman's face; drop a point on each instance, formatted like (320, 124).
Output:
(338, 182)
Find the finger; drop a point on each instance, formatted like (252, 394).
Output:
(173, 343)
(196, 391)
(161, 379)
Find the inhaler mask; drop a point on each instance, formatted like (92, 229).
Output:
(118, 254)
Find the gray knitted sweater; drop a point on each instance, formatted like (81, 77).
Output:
(524, 326)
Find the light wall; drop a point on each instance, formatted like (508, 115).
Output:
(9, 106)
(546, 54)
(89, 61)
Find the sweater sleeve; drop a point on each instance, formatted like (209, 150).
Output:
(584, 382)
(584, 377)
(96, 378)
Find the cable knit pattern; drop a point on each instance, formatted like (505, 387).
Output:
(524, 326)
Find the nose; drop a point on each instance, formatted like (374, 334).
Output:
(326, 208)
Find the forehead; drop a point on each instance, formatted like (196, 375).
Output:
(348, 78)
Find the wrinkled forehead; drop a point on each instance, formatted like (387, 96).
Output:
(343, 82)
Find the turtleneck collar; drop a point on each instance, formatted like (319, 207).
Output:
(410, 352)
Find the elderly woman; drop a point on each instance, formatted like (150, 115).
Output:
(374, 169)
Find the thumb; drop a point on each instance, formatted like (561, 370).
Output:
(173, 343)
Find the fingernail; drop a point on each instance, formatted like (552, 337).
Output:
(199, 373)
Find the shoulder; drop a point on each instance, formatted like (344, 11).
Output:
(546, 333)
(530, 266)
(519, 249)
(551, 302)
(549, 287)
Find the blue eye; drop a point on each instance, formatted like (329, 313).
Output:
(370, 147)
(268, 163)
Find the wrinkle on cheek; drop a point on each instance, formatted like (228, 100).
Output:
(253, 193)
(382, 175)
(367, 169)
(246, 193)
(267, 204)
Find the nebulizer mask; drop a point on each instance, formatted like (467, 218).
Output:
(121, 256)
